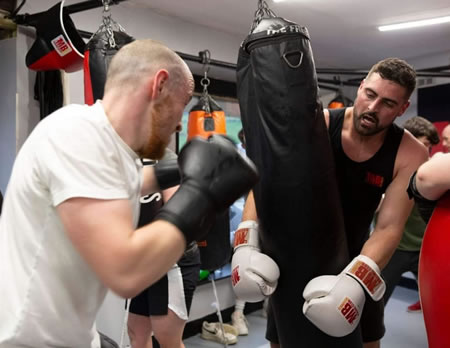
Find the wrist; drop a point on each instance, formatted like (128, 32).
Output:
(364, 270)
(246, 235)
(190, 210)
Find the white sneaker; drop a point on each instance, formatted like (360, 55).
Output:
(239, 321)
(213, 332)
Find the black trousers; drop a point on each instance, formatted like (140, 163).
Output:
(402, 261)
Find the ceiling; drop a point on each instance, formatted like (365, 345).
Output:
(343, 33)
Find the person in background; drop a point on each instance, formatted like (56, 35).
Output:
(163, 308)
(446, 138)
(372, 156)
(406, 256)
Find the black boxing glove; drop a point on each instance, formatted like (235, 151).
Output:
(213, 175)
(424, 206)
(167, 173)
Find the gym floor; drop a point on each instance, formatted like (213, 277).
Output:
(403, 329)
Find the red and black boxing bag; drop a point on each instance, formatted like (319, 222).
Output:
(58, 44)
(434, 275)
(97, 56)
(207, 118)
(296, 197)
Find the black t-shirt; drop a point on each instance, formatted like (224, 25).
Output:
(361, 184)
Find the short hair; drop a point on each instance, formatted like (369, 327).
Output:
(144, 57)
(421, 127)
(398, 71)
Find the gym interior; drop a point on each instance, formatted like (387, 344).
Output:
(207, 35)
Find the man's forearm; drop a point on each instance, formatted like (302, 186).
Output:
(381, 246)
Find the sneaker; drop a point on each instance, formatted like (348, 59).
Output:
(415, 308)
(213, 332)
(239, 321)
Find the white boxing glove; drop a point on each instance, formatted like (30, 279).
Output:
(254, 275)
(334, 303)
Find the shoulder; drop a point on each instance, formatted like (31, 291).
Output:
(411, 153)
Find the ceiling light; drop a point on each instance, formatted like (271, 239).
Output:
(414, 24)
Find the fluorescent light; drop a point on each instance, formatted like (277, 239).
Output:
(415, 24)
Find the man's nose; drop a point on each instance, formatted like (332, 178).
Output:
(374, 105)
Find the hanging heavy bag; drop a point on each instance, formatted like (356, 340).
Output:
(339, 101)
(58, 44)
(296, 198)
(97, 57)
(434, 283)
(207, 118)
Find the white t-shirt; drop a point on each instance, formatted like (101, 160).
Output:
(49, 296)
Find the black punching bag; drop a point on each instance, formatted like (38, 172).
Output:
(97, 56)
(297, 199)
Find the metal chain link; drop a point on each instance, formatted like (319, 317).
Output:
(206, 60)
(108, 24)
(262, 11)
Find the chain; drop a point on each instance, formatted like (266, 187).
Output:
(262, 11)
(108, 24)
(206, 60)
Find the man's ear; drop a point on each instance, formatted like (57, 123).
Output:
(403, 108)
(159, 82)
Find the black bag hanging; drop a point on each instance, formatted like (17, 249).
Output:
(100, 49)
(297, 199)
(207, 118)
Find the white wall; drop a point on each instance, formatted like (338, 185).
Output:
(8, 109)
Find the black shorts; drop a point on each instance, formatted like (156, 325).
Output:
(155, 299)
(372, 320)
(371, 324)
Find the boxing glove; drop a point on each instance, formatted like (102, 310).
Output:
(254, 275)
(424, 206)
(213, 175)
(334, 303)
(167, 173)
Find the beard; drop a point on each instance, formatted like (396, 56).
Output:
(156, 144)
(367, 129)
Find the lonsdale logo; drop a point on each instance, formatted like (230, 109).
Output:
(285, 29)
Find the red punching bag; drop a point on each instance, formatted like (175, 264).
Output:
(434, 275)
(58, 44)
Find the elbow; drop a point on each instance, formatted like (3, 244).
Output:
(125, 288)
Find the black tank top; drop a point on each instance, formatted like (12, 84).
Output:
(361, 184)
